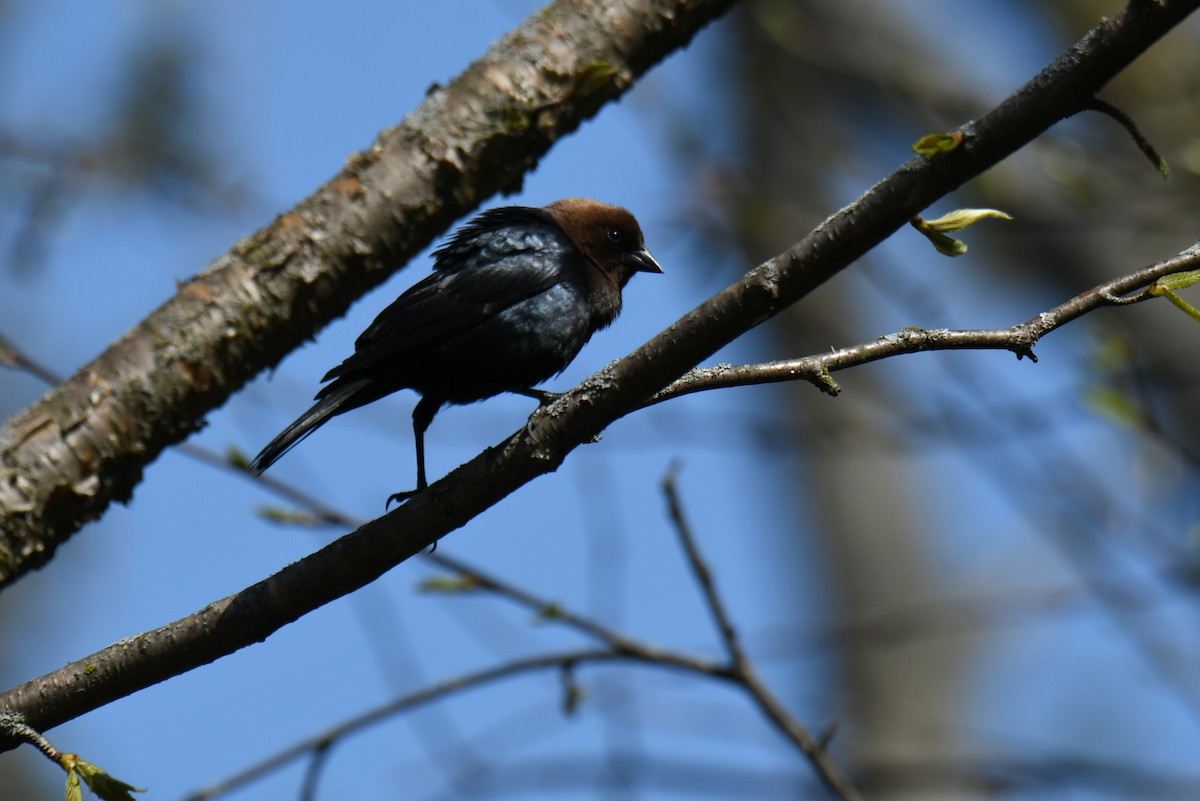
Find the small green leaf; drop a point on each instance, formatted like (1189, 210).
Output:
(237, 457)
(106, 787)
(938, 143)
(449, 584)
(1175, 281)
(98, 781)
(74, 788)
(1165, 286)
(1188, 309)
(964, 218)
(935, 230)
(947, 245)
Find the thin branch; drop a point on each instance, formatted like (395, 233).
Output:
(11, 356)
(447, 688)
(1126, 122)
(742, 669)
(312, 774)
(1019, 339)
(13, 725)
(699, 566)
(551, 611)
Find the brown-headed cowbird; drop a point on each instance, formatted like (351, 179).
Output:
(515, 294)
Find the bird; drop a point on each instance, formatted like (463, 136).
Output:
(514, 295)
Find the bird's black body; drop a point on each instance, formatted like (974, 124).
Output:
(514, 296)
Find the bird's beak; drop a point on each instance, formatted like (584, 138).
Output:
(641, 261)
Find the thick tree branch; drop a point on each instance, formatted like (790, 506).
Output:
(362, 556)
(85, 444)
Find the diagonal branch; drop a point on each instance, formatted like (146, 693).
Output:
(700, 569)
(742, 670)
(1019, 339)
(64, 459)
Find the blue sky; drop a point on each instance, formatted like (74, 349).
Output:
(285, 97)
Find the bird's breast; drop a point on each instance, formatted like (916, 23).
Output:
(521, 346)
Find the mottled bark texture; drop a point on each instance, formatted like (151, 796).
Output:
(85, 444)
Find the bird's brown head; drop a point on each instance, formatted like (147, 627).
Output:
(608, 236)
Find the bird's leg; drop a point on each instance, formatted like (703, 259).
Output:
(422, 417)
(542, 396)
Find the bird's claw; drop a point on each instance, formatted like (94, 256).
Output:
(399, 498)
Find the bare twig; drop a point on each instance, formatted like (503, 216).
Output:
(13, 725)
(312, 774)
(11, 356)
(1126, 122)
(449, 687)
(742, 670)
(1020, 339)
(699, 566)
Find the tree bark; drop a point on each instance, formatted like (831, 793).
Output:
(86, 443)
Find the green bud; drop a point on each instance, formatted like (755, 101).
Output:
(98, 781)
(935, 230)
(964, 218)
(938, 143)
(448, 584)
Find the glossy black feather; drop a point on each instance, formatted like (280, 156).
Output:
(514, 295)
(506, 253)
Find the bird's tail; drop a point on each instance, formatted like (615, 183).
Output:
(333, 400)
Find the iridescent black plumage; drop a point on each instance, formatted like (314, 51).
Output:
(514, 296)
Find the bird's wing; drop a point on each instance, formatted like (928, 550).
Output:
(449, 302)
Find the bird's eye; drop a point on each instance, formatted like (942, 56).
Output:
(615, 235)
